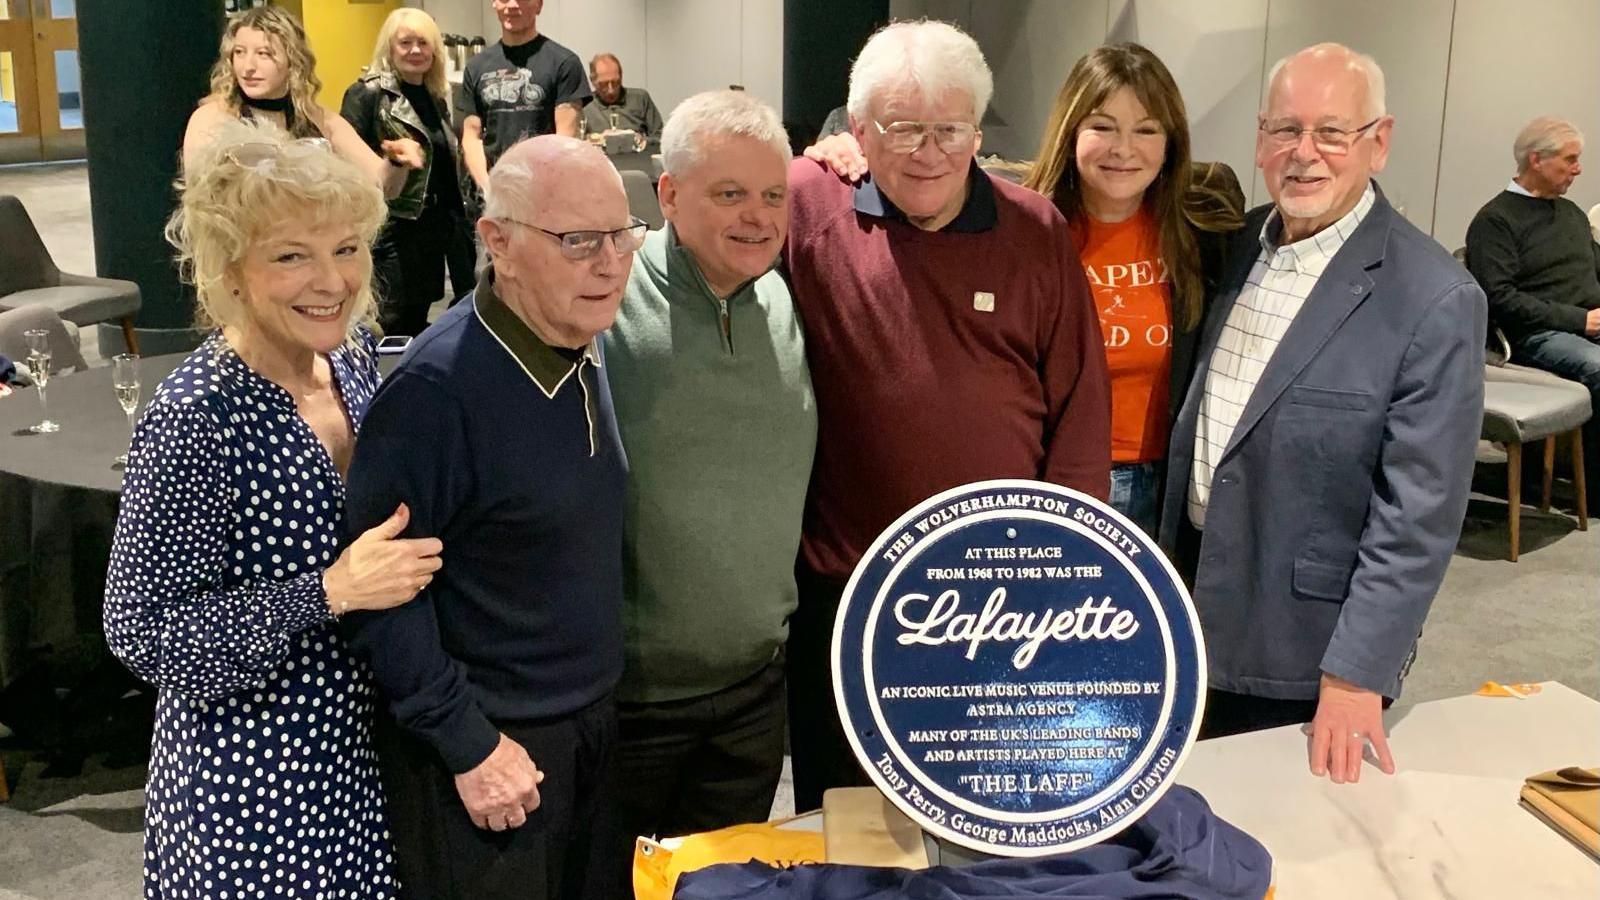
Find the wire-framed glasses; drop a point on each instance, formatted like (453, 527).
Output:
(906, 137)
(1328, 139)
(578, 245)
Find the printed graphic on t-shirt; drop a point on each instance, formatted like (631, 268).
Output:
(512, 90)
(1131, 299)
(1132, 294)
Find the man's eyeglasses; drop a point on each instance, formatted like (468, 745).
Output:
(1328, 139)
(579, 245)
(906, 137)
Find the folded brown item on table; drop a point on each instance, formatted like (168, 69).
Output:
(1568, 800)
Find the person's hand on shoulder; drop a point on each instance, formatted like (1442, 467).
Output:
(841, 153)
(1348, 716)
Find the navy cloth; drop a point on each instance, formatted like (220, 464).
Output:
(262, 781)
(8, 370)
(1179, 848)
(524, 621)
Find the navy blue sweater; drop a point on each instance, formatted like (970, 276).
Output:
(525, 488)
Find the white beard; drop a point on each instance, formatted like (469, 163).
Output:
(1311, 207)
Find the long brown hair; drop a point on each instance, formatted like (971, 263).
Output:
(1181, 204)
(288, 38)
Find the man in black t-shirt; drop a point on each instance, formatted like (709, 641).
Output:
(523, 85)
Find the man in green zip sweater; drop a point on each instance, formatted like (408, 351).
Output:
(713, 398)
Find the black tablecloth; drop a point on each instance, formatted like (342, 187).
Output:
(58, 504)
(93, 429)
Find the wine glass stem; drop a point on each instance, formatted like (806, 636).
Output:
(44, 406)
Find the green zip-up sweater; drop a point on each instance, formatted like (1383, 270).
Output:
(719, 427)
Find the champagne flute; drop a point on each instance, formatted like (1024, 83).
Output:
(39, 367)
(125, 379)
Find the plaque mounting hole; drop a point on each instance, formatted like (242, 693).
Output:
(1011, 533)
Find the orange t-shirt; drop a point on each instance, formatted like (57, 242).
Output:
(1133, 295)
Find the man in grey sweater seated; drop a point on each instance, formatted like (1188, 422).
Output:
(1531, 250)
(713, 398)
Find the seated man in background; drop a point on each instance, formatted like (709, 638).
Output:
(713, 399)
(615, 106)
(952, 338)
(1532, 251)
(497, 429)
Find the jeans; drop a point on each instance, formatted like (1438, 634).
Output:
(1575, 358)
(1136, 492)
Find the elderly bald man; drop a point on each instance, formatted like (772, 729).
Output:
(497, 429)
(1320, 462)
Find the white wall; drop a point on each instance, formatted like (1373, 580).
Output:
(673, 48)
(1463, 77)
(1506, 67)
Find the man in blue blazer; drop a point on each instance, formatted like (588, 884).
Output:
(1321, 458)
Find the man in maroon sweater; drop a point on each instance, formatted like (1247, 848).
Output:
(951, 335)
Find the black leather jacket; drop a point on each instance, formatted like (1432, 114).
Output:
(379, 112)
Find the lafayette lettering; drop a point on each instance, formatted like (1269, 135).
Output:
(1093, 620)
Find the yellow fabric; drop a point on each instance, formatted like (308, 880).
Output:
(656, 868)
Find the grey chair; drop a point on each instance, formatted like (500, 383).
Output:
(1523, 405)
(64, 352)
(642, 200)
(29, 277)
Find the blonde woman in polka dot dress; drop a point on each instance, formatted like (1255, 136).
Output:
(227, 571)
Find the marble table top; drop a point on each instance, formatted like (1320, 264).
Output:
(1446, 824)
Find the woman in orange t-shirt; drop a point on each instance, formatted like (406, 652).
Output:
(1150, 228)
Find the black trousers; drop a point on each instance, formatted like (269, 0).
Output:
(565, 851)
(410, 259)
(822, 757)
(705, 762)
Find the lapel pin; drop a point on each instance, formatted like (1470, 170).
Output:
(983, 301)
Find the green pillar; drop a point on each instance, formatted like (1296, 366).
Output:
(145, 66)
(820, 40)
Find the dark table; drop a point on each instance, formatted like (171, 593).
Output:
(58, 505)
(93, 429)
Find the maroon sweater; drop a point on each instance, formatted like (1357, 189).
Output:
(918, 390)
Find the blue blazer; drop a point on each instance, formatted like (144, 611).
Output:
(1339, 500)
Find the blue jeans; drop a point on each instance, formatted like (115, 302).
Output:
(1572, 356)
(1136, 493)
(1575, 358)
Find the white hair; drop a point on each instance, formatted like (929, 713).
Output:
(707, 115)
(1361, 62)
(510, 193)
(1545, 136)
(932, 57)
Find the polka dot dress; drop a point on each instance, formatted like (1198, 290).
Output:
(262, 779)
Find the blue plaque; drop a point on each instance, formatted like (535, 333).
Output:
(1018, 667)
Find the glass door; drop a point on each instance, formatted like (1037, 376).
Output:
(41, 99)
